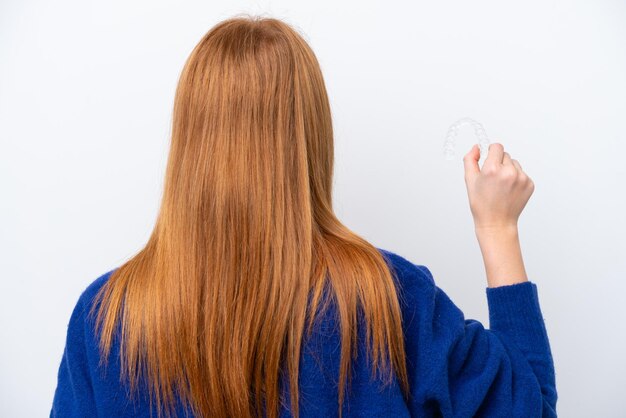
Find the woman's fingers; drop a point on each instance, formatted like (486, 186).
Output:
(495, 155)
(506, 160)
(470, 161)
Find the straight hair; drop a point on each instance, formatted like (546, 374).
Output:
(246, 251)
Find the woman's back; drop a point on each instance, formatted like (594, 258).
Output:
(456, 367)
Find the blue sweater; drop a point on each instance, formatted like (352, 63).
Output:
(456, 367)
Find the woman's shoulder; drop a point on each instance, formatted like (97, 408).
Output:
(89, 292)
(407, 272)
(81, 317)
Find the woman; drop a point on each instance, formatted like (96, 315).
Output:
(251, 298)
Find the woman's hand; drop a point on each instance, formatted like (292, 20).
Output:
(499, 191)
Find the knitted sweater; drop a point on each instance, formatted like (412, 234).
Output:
(456, 366)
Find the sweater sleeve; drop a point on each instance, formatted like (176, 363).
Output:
(462, 369)
(73, 396)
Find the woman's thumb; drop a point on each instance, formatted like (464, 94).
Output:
(470, 161)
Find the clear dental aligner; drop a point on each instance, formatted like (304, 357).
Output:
(453, 130)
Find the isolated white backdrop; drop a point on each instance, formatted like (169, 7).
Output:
(86, 92)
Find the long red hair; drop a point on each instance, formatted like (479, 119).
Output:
(216, 303)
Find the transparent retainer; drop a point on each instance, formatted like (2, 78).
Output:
(453, 130)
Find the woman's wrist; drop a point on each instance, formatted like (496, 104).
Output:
(502, 255)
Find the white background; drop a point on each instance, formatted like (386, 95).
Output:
(86, 93)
